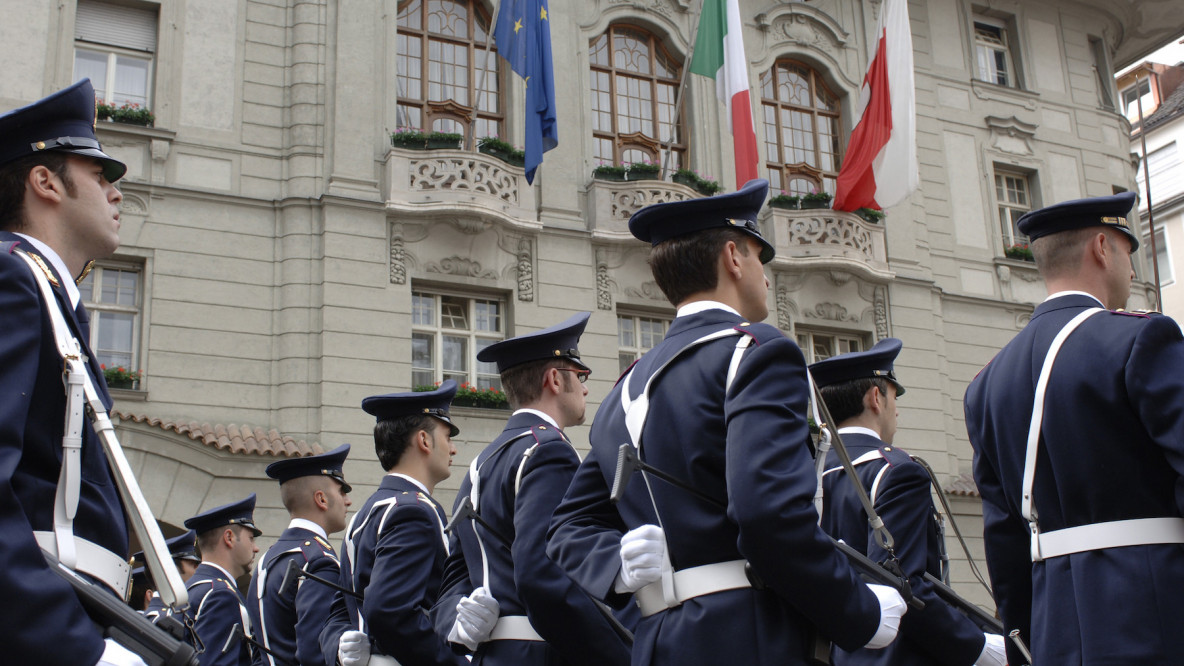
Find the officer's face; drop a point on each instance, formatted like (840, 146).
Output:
(754, 286)
(339, 502)
(244, 549)
(90, 212)
(442, 450)
(574, 400)
(1121, 271)
(888, 419)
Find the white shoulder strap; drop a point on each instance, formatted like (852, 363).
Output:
(475, 498)
(1027, 507)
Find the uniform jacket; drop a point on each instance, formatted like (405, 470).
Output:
(290, 624)
(396, 561)
(751, 450)
(939, 634)
(1112, 448)
(521, 578)
(32, 418)
(215, 606)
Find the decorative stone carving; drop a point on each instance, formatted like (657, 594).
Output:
(832, 230)
(469, 226)
(133, 205)
(462, 267)
(831, 312)
(398, 258)
(525, 272)
(648, 290)
(604, 296)
(627, 202)
(784, 307)
(799, 23)
(1011, 135)
(464, 173)
(881, 312)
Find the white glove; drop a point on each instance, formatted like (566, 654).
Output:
(353, 649)
(994, 652)
(115, 654)
(476, 615)
(892, 607)
(643, 554)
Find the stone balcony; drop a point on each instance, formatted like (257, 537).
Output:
(459, 182)
(825, 239)
(610, 203)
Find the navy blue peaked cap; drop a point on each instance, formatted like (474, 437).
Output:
(326, 464)
(558, 341)
(399, 405)
(62, 122)
(875, 362)
(736, 210)
(181, 547)
(1108, 211)
(236, 513)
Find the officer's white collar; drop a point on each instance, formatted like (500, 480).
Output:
(699, 306)
(412, 480)
(58, 265)
(308, 525)
(1073, 293)
(859, 430)
(219, 568)
(542, 415)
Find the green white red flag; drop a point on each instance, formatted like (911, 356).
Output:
(719, 54)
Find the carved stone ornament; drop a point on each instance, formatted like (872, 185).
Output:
(832, 230)
(133, 205)
(398, 256)
(881, 312)
(604, 295)
(831, 312)
(525, 271)
(648, 290)
(462, 267)
(629, 201)
(464, 173)
(784, 316)
(1011, 135)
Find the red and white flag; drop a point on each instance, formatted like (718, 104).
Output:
(880, 167)
(719, 54)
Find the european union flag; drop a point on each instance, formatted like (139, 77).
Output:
(523, 36)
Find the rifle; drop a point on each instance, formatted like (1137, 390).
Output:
(293, 572)
(158, 644)
(981, 617)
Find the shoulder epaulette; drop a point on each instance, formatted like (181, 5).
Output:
(316, 547)
(759, 332)
(1145, 314)
(53, 279)
(894, 456)
(6, 247)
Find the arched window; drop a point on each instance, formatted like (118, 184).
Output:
(444, 71)
(801, 121)
(634, 87)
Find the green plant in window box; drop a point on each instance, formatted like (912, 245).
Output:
(686, 177)
(708, 187)
(128, 113)
(870, 214)
(468, 395)
(643, 171)
(609, 172)
(416, 139)
(491, 145)
(816, 200)
(120, 377)
(1019, 251)
(785, 200)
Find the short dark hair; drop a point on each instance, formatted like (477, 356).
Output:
(523, 384)
(391, 437)
(845, 399)
(686, 265)
(12, 185)
(206, 541)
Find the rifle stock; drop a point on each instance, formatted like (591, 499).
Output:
(879, 574)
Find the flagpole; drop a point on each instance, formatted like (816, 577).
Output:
(471, 141)
(1147, 188)
(686, 69)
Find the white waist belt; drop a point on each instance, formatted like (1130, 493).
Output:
(1115, 534)
(514, 628)
(383, 660)
(93, 560)
(691, 583)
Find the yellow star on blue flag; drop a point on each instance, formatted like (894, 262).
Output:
(523, 38)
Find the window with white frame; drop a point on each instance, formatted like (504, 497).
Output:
(637, 334)
(1167, 176)
(820, 345)
(114, 46)
(1103, 74)
(448, 330)
(993, 57)
(1163, 256)
(1013, 199)
(1131, 96)
(113, 294)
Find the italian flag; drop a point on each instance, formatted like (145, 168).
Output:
(719, 54)
(880, 167)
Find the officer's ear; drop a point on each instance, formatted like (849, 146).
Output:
(228, 537)
(871, 400)
(320, 499)
(44, 184)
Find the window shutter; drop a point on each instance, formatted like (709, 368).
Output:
(116, 25)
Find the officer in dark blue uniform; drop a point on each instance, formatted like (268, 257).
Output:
(289, 623)
(1084, 550)
(58, 206)
(738, 571)
(395, 545)
(183, 549)
(860, 390)
(502, 597)
(226, 541)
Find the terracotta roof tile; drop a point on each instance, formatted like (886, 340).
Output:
(963, 486)
(244, 439)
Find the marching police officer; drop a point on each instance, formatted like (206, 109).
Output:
(1083, 521)
(501, 596)
(289, 622)
(60, 208)
(183, 549)
(860, 390)
(226, 541)
(728, 565)
(395, 545)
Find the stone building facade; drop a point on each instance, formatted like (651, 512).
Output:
(281, 260)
